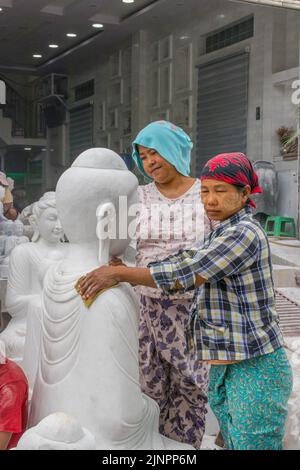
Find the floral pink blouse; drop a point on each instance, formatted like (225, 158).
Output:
(165, 226)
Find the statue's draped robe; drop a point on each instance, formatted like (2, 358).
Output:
(89, 364)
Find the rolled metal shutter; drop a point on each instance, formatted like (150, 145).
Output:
(222, 107)
(81, 129)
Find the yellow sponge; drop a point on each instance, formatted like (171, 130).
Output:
(88, 302)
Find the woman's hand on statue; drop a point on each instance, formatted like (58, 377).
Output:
(116, 262)
(101, 278)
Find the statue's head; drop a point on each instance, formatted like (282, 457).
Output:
(44, 219)
(97, 177)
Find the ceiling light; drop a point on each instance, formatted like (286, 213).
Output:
(37, 56)
(128, 1)
(294, 4)
(27, 148)
(1, 9)
(97, 25)
(71, 35)
(53, 46)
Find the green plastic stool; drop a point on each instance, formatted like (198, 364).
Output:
(276, 226)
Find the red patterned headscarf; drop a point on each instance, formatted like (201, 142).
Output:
(232, 168)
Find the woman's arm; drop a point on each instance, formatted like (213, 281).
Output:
(108, 276)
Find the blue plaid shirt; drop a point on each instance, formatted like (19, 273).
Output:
(235, 308)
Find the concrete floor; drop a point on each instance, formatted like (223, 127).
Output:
(286, 265)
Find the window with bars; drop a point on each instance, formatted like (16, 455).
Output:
(85, 90)
(230, 35)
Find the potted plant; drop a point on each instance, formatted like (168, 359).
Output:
(288, 139)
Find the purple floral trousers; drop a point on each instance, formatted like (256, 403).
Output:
(168, 372)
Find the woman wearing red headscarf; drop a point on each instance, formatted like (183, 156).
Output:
(239, 333)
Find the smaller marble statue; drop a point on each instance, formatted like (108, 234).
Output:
(57, 431)
(19, 232)
(16, 236)
(28, 264)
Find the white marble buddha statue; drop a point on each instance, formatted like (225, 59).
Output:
(88, 365)
(14, 236)
(18, 231)
(28, 264)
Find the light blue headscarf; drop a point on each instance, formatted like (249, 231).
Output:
(170, 141)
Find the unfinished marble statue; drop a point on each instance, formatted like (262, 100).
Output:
(27, 267)
(57, 431)
(88, 364)
(16, 236)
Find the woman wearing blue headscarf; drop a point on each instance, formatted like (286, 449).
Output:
(171, 219)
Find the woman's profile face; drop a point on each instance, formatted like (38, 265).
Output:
(222, 200)
(155, 165)
(49, 225)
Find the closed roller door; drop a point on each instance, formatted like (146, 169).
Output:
(81, 130)
(222, 107)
